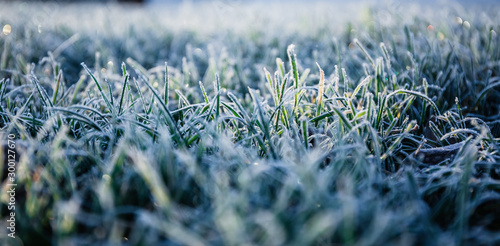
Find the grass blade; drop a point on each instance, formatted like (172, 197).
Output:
(125, 82)
(167, 85)
(57, 88)
(106, 100)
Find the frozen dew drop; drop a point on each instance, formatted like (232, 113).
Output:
(6, 29)
(106, 178)
(466, 24)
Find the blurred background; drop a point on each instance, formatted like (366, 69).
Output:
(153, 31)
(248, 1)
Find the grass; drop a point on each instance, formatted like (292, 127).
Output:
(301, 140)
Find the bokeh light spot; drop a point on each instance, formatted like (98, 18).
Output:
(441, 36)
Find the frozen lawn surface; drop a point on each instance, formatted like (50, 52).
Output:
(229, 123)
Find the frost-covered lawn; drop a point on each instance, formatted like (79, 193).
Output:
(229, 123)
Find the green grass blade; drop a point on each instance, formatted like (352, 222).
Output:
(79, 117)
(370, 59)
(106, 100)
(54, 98)
(263, 122)
(321, 87)
(414, 93)
(170, 119)
(342, 118)
(204, 93)
(125, 82)
(217, 90)
(293, 63)
(41, 91)
(167, 85)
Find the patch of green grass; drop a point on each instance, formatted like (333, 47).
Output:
(392, 140)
